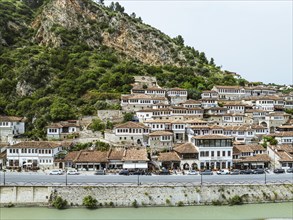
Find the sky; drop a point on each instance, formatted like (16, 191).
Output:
(251, 38)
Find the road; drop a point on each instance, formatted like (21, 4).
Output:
(12, 178)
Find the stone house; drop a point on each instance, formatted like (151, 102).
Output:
(190, 103)
(63, 130)
(136, 102)
(169, 160)
(160, 140)
(188, 155)
(177, 95)
(281, 156)
(129, 133)
(253, 162)
(10, 127)
(135, 159)
(87, 160)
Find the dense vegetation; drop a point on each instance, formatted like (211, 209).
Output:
(51, 84)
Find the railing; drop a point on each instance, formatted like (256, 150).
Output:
(165, 184)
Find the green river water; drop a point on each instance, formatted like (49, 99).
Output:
(252, 211)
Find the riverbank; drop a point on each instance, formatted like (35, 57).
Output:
(248, 212)
(146, 195)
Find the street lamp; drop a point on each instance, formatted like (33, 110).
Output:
(4, 171)
(66, 176)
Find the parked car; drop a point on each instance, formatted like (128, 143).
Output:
(223, 172)
(56, 172)
(290, 170)
(235, 172)
(164, 172)
(259, 171)
(100, 172)
(124, 172)
(192, 172)
(206, 172)
(279, 170)
(72, 172)
(248, 171)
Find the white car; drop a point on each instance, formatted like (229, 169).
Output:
(223, 172)
(192, 172)
(72, 172)
(56, 172)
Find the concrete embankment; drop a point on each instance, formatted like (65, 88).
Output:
(123, 196)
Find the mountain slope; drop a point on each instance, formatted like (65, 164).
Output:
(61, 59)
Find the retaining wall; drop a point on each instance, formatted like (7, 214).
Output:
(147, 195)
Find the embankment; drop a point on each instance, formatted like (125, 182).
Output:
(123, 196)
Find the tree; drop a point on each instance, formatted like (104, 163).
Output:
(119, 8)
(101, 2)
(60, 110)
(179, 40)
(97, 125)
(128, 117)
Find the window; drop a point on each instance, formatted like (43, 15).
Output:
(229, 153)
(218, 153)
(224, 153)
(212, 153)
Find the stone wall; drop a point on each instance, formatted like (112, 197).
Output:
(149, 195)
(34, 195)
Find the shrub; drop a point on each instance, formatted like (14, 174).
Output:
(235, 200)
(89, 202)
(180, 204)
(59, 203)
(216, 202)
(168, 202)
(135, 204)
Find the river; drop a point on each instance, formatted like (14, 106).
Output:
(247, 212)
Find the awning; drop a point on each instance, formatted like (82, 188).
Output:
(135, 166)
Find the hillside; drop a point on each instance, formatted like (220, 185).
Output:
(60, 59)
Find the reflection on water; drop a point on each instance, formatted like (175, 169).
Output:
(253, 211)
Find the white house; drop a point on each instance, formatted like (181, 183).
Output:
(11, 126)
(32, 154)
(177, 95)
(63, 129)
(215, 151)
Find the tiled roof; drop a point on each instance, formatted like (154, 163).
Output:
(285, 157)
(176, 89)
(285, 147)
(161, 133)
(116, 154)
(131, 124)
(283, 134)
(3, 155)
(91, 157)
(135, 155)
(143, 96)
(37, 144)
(229, 87)
(190, 101)
(169, 156)
(186, 148)
(12, 118)
(71, 156)
(257, 158)
(242, 149)
(212, 137)
(61, 124)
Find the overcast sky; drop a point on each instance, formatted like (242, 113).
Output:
(252, 38)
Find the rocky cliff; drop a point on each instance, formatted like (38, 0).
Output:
(96, 24)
